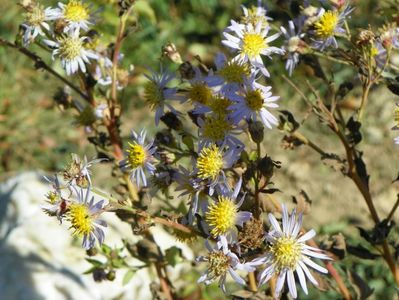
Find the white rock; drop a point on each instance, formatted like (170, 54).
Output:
(40, 260)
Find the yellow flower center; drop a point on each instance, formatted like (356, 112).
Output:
(36, 16)
(234, 72)
(80, 219)
(136, 155)
(76, 11)
(200, 93)
(221, 215)
(52, 197)
(153, 95)
(326, 25)
(216, 127)
(209, 162)
(220, 105)
(253, 44)
(286, 253)
(70, 47)
(373, 51)
(218, 264)
(254, 100)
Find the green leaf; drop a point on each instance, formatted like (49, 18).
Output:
(128, 276)
(94, 262)
(173, 256)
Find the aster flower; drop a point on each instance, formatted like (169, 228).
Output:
(222, 215)
(140, 158)
(199, 92)
(56, 204)
(221, 261)
(72, 52)
(329, 24)
(83, 215)
(251, 42)
(293, 43)
(229, 74)
(255, 15)
(156, 93)
(78, 172)
(211, 162)
(253, 102)
(35, 20)
(76, 14)
(288, 253)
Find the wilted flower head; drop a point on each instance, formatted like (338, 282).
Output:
(221, 261)
(35, 19)
(71, 50)
(288, 253)
(293, 44)
(78, 172)
(56, 204)
(83, 215)
(251, 42)
(222, 215)
(139, 158)
(255, 15)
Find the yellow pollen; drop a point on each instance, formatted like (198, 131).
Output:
(373, 51)
(218, 264)
(221, 215)
(200, 93)
(136, 155)
(153, 95)
(209, 162)
(70, 47)
(326, 25)
(36, 16)
(234, 72)
(253, 44)
(254, 100)
(286, 253)
(80, 219)
(76, 11)
(216, 127)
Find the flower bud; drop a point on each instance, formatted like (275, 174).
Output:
(266, 166)
(111, 275)
(186, 70)
(92, 252)
(256, 130)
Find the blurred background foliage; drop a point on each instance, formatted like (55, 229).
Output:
(34, 135)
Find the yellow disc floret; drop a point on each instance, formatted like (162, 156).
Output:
(209, 162)
(136, 155)
(325, 26)
(220, 105)
(153, 95)
(36, 16)
(286, 253)
(254, 100)
(253, 44)
(76, 11)
(218, 264)
(216, 127)
(200, 93)
(234, 71)
(70, 47)
(221, 215)
(80, 219)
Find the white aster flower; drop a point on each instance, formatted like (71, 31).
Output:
(35, 20)
(140, 158)
(222, 215)
(293, 43)
(72, 52)
(253, 102)
(77, 15)
(251, 42)
(255, 15)
(288, 253)
(156, 93)
(328, 25)
(221, 261)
